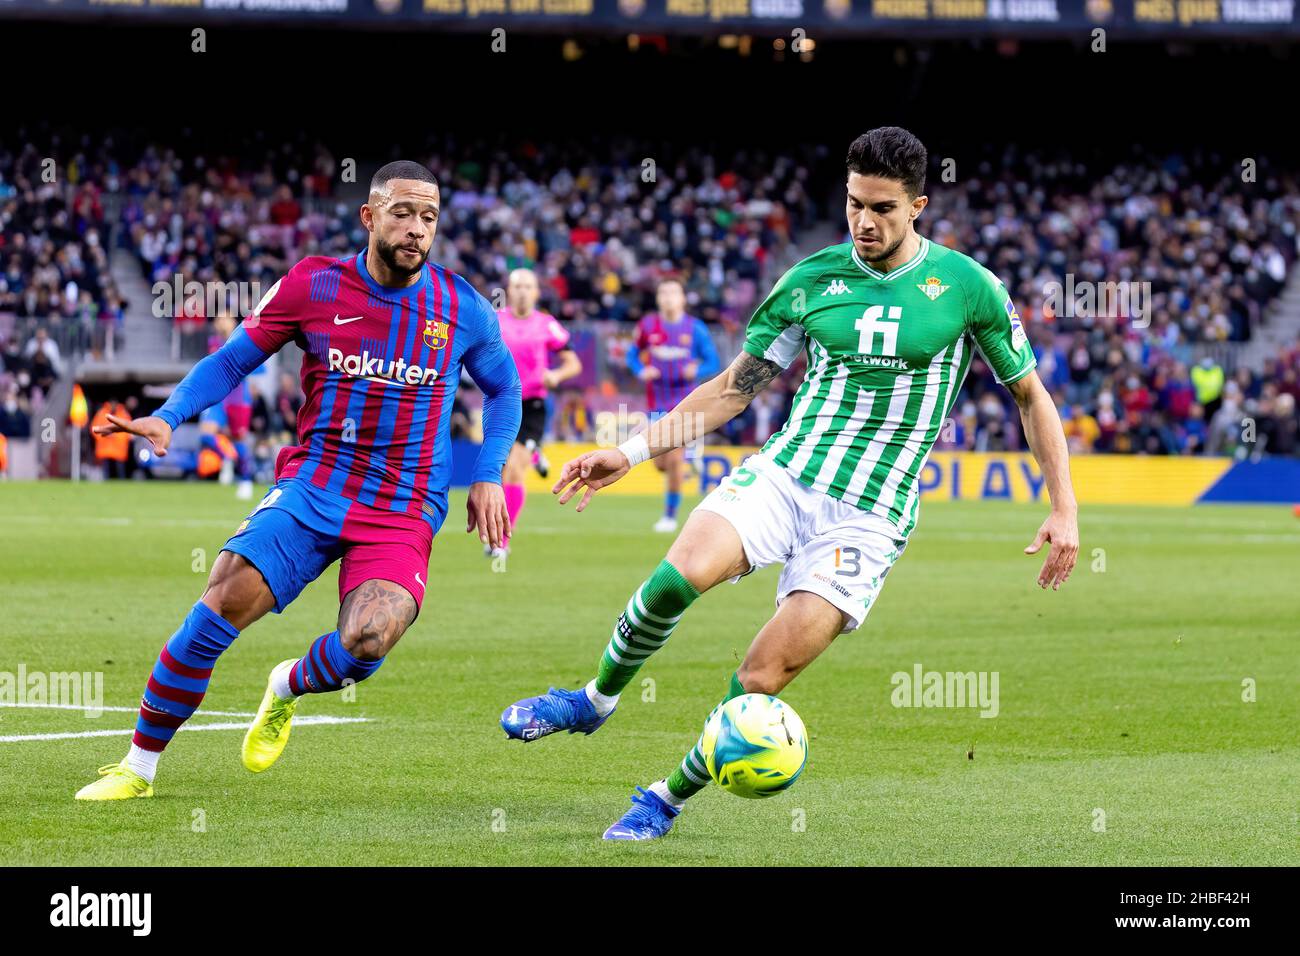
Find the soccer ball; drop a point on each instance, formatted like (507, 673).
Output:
(755, 745)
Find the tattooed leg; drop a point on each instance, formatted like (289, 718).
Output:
(373, 617)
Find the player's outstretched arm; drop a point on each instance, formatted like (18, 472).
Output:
(151, 427)
(211, 380)
(708, 407)
(1047, 442)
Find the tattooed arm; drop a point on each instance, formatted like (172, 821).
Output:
(709, 407)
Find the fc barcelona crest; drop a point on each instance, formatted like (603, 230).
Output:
(933, 288)
(435, 334)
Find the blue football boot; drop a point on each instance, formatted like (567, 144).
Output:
(556, 710)
(650, 818)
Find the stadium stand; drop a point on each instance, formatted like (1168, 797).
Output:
(1170, 371)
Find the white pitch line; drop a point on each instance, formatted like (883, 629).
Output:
(125, 710)
(307, 720)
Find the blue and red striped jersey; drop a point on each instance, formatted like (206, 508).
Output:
(380, 373)
(681, 351)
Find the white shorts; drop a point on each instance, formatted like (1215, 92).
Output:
(834, 550)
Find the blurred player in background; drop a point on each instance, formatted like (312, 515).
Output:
(385, 334)
(223, 428)
(672, 352)
(222, 454)
(532, 337)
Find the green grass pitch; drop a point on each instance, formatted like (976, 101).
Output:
(1120, 695)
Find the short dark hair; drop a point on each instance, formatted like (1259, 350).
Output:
(892, 153)
(401, 169)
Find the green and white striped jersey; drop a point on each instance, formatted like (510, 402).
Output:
(887, 354)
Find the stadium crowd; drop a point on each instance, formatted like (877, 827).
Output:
(53, 239)
(600, 230)
(1198, 254)
(603, 222)
(55, 284)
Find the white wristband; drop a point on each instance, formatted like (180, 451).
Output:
(637, 450)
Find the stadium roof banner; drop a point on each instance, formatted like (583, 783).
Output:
(1130, 18)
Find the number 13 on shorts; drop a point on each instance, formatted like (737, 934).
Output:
(848, 562)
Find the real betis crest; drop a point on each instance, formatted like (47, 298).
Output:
(435, 334)
(933, 287)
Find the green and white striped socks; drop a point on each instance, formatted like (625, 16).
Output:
(692, 776)
(643, 628)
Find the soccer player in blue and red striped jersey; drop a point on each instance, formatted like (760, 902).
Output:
(673, 352)
(385, 334)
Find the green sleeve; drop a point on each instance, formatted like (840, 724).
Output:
(995, 325)
(775, 331)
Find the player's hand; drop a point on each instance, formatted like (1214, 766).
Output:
(550, 379)
(487, 513)
(156, 430)
(648, 373)
(1061, 530)
(689, 371)
(592, 471)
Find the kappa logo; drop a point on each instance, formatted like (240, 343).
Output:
(837, 287)
(933, 287)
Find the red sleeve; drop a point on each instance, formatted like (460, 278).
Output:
(276, 319)
(641, 342)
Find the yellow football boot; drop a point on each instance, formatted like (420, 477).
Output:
(116, 782)
(269, 731)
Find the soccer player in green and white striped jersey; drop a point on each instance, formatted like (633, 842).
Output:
(889, 323)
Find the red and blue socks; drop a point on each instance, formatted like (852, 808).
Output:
(177, 685)
(327, 667)
(184, 667)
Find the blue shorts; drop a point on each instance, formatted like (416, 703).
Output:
(298, 530)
